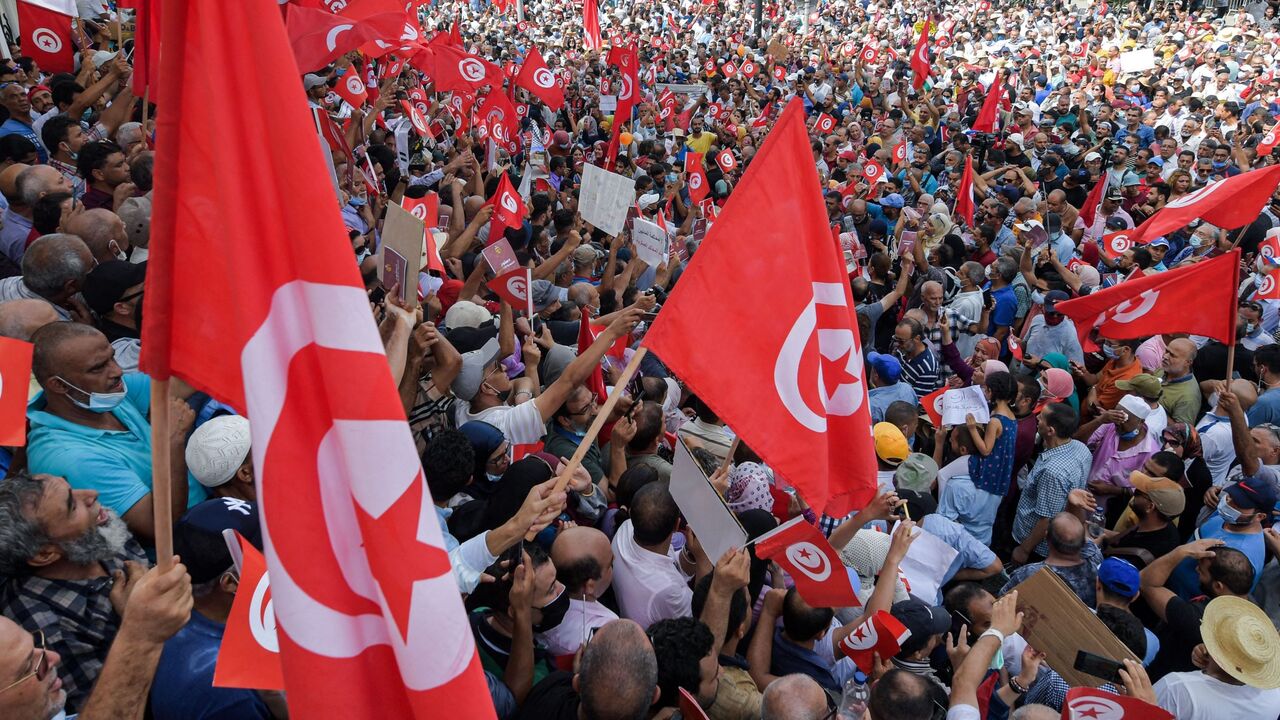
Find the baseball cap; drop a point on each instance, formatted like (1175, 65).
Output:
(311, 80)
(197, 536)
(1010, 191)
(1052, 298)
(1143, 385)
(893, 200)
(1156, 160)
(1253, 493)
(136, 214)
(1164, 493)
(921, 618)
(561, 139)
(466, 314)
(915, 475)
(545, 294)
(1160, 241)
(848, 155)
(1113, 193)
(1119, 576)
(1081, 175)
(886, 366)
(1091, 157)
(586, 254)
(474, 364)
(102, 57)
(1016, 139)
(891, 444)
(108, 282)
(217, 449)
(1135, 406)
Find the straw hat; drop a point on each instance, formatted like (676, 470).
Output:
(1242, 641)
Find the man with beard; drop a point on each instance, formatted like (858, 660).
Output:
(70, 565)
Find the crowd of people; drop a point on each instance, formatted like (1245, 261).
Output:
(1143, 473)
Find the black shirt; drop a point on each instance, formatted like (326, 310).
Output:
(1178, 636)
(552, 699)
(1156, 542)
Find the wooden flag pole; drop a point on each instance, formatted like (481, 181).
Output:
(596, 425)
(161, 482)
(733, 450)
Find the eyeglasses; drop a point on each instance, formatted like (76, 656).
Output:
(39, 666)
(1273, 429)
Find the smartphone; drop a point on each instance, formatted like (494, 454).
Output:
(377, 295)
(1098, 666)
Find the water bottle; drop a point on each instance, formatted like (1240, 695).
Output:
(853, 702)
(1097, 522)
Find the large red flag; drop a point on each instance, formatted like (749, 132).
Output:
(1084, 703)
(249, 656)
(986, 121)
(1089, 213)
(809, 559)
(591, 25)
(370, 621)
(46, 33)
(806, 413)
(453, 68)
(15, 379)
(538, 79)
(146, 45)
(881, 634)
(1230, 203)
(1158, 303)
(964, 195)
(319, 37)
(920, 65)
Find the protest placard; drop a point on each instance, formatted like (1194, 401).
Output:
(1136, 61)
(717, 527)
(400, 257)
(958, 403)
(926, 563)
(605, 199)
(501, 257)
(650, 241)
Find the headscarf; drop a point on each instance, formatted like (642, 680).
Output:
(1059, 361)
(749, 488)
(510, 492)
(1188, 436)
(485, 439)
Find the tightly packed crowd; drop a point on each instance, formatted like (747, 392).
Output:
(1144, 473)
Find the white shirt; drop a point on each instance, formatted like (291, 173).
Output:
(649, 587)
(1157, 421)
(1216, 447)
(582, 617)
(1196, 696)
(521, 424)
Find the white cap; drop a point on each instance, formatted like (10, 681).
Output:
(465, 313)
(1135, 406)
(1016, 139)
(217, 449)
(101, 58)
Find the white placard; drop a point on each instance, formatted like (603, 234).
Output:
(650, 241)
(608, 103)
(925, 565)
(606, 198)
(714, 523)
(958, 403)
(1136, 61)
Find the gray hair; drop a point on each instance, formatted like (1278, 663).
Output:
(20, 536)
(129, 127)
(1006, 266)
(52, 261)
(784, 699)
(28, 187)
(1035, 711)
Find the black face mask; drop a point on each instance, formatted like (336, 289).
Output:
(553, 613)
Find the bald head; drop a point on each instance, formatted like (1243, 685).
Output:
(9, 180)
(793, 697)
(618, 676)
(583, 559)
(55, 343)
(102, 230)
(37, 181)
(54, 266)
(1066, 535)
(19, 319)
(471, 205)
(1035, 711)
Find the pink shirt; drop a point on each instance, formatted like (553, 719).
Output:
(1112, 465)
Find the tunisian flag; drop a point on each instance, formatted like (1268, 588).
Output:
(146, 44)
(1090, 704)
(319, 37)
(881, 634)
(986, 121)
(1230, 203)
(508, 209)
(15, 378)
(249, 656)
(1089, 213)
(370, 621)
(538, 79)
(46, 33)
(591, 25)
(1158, 303)
(796, 393)
(964, 195)
(810, 560)
(920, 65)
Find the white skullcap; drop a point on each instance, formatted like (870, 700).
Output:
(217, 449)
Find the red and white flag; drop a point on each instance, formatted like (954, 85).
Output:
(591, 25)
(779, 73)
(729, 69)
(416, 119)
(824, 124)
(809, 559)
(370, 622)
(15, 379)
(1229, 204)
(512, 287)
(319, 37)
(1269, 251)
(873, 171)
(932, 404)
(1158, 303)
(508, 209)
(964, 194)
(900, 152)
(762, 120)
(1084, 703)
(425, 208)
(1269, 141)
(987, 115)
(1116, 244)
(249, 656)
(809, 419)
(696, 177)
(452, 68)
(46, 33)
(921, 66)
(538, 79)
(749, 68)
(726, 160)
(352, 89)
(1089, 213)
(882, 634)
(869, 54)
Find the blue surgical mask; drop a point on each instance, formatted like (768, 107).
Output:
(493, 478)
(98, 402)
(1109, 352)
(1230, 515)
(1132, 434)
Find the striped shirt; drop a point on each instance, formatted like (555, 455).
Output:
(921, 372)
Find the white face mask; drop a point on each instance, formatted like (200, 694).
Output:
(98, 402)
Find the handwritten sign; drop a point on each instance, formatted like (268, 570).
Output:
(958, 403)
(650, 241)
(605, 199)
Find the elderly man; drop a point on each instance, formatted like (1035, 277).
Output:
(30, 184)
(70, 563)
(14, 98)
(103, 231)
(1181, 397)
(90, 426)
(19, 319)
(617, 678)
(1072, 557)
(53, 271)
(584, 565)
(793, 697)
(218, 457)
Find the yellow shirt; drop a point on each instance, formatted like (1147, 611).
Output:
(701, 143)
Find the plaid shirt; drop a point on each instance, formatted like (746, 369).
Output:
(432, 412)
(72, 175)
(76, 617)
(959, 328)
(1056, 473)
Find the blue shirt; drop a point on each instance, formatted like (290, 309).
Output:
(1184, 579)
(973, 554)
(13, 236)
(973, 509)
(115, 463)
(1006, 309)
(183, 689)
(882, 397)
(17, 127)
(1266, 409)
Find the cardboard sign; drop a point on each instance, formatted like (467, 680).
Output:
(958, 403)
(1058, 624)
(715, 524)
(605, 199)
(650, 241)
(400, 257)
(778, 51)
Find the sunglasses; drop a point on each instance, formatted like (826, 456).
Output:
(39, 665)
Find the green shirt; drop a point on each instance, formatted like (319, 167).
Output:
(1181, 400)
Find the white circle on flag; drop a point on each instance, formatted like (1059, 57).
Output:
(46, 39)
(1095, 708)
(695, 181)
(355, 85)
(516, 286)
(627, 88)
(471, 70)
(1267, 286)
(331, 39)
(1120, 243)
(419, 211)
(262, 616)
(509, 203)
(809, 560)
(544, 78)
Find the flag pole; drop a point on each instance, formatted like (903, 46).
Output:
(161, 482)
(601, 416)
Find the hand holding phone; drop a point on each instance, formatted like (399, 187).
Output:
(1098, 666)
